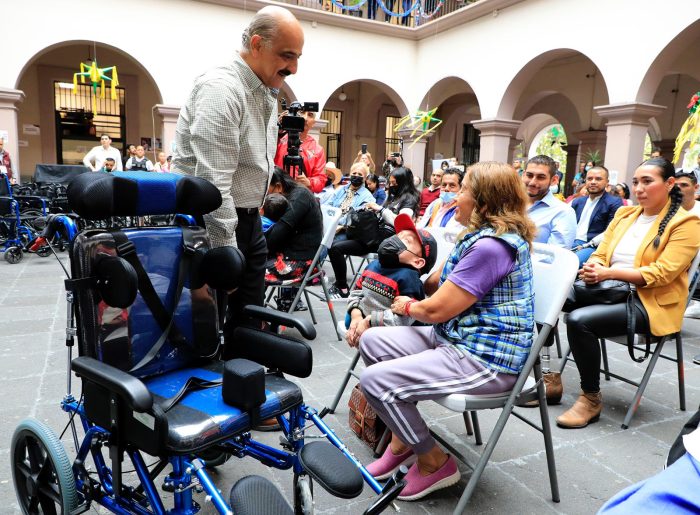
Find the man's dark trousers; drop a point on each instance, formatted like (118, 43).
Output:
(251, 242)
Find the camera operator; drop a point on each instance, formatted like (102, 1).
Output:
(393, 160)
(313, 155)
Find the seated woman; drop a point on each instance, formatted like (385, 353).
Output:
(293, 240)
(440, 212)
(651, 247)
(353, 195)
(623, 191)
(482, 308)
(403, 198)
(377, 190)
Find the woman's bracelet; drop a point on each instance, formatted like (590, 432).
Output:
(407, 307)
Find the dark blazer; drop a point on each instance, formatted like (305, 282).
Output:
(602, 215)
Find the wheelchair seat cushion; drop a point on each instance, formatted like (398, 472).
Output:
(202, 418)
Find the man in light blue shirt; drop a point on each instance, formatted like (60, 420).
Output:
(555, 220)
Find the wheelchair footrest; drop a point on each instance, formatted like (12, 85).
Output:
(255, 495)
(331, 469)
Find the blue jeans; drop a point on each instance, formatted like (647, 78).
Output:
(582, 254)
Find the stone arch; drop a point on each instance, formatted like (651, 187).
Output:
(682, 50)
(596, 94)
(58, 62)
(366, 104)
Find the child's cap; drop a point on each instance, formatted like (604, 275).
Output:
(428, 243)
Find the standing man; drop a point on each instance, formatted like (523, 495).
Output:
(6, 162)
(688, 184)
(696, 170)
(555, 220)
(593, 213)
(432, 192)
(95, 159)
(139, 162)
(310, 151)
(227, 134)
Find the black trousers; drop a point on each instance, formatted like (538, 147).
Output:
(342, 247)
(251, 242)
(586, 325)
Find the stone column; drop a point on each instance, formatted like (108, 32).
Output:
(495, 138)
(169, 114)
(590, 141)
(626, 131)
(414, 151)
(514, 142)
(9, 98)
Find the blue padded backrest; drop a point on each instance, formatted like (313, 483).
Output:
(101, 195)
(123, 337)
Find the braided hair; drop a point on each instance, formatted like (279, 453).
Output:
(667, 171)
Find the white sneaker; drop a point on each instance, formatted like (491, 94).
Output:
(693, 309)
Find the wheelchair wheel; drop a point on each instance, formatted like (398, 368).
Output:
(41, 471)
(13, 255)
(303, 495)
(44, 251)
(213, 458)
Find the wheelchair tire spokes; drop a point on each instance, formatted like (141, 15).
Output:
(42, 473)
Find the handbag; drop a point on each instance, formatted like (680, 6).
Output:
(363, 420)
(612, 291)
(363, 226)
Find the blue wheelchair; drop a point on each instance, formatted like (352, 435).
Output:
(142, 303)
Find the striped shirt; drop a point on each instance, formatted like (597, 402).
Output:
(227, 134)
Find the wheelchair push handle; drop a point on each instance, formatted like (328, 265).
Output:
(305, 327)
(390, 492)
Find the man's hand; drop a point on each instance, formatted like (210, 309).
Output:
(303, 180)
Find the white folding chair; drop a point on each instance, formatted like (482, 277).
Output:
(331, 216)
(554, 271)
(658, 343)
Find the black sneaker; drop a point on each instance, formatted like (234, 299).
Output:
(336, 293)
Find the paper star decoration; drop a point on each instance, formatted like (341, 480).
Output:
(97, 77)
(419, 121)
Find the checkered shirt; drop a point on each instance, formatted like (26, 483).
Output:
(227, 134)
(498, 329)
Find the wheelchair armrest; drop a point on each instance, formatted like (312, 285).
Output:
(128, 387)
(304, 326)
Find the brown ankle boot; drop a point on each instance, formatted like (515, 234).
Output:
(553, 390)
(553, 387)
(585, 410)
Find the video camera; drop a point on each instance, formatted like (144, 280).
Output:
(293, 124)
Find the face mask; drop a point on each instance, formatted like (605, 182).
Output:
(357, 180)
(587, 168)
(393, 190)
(447, 196)
(329, 181)
(389, 251)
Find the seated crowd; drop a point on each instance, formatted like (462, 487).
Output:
(455, 332)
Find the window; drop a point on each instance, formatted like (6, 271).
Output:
(330, 135)
(391, 137)
(470, 144)
(77, 128)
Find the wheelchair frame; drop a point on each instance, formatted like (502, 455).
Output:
(188, 472)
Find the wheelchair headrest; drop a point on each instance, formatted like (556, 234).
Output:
(99, 195)
(117, 281)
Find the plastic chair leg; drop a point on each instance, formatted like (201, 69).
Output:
(311, 308)
(681, 370)
(643, 384)
(604, 351)
(329, 303)
(346, 380)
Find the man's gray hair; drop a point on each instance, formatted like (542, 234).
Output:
(265, 25)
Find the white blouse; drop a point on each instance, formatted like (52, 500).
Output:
(626, 250)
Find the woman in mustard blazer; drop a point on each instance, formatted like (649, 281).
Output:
(650, 246)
